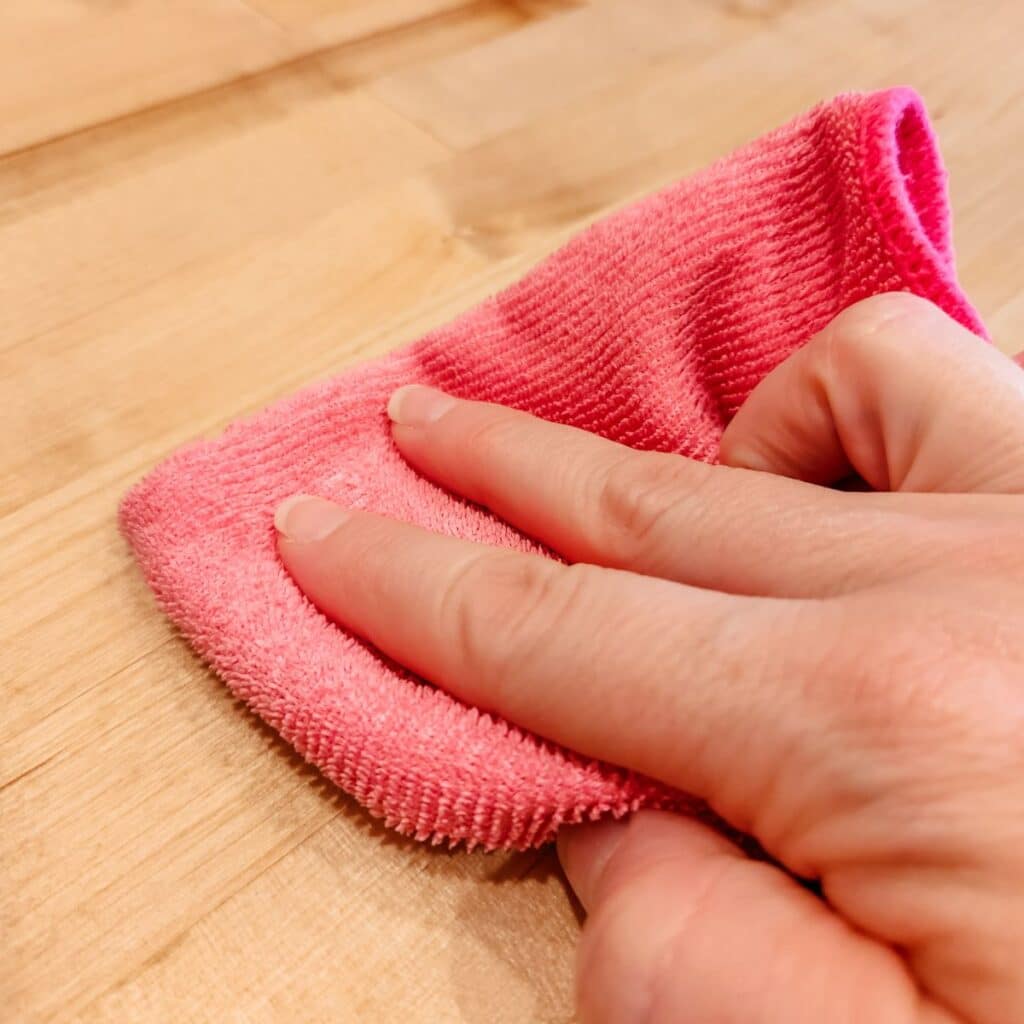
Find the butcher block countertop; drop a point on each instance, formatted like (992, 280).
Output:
(205, 204)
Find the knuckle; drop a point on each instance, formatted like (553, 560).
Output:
(868, 316)
(364, 547)
(500, 607)
(652, 967)
(489, 438)
(635, 495)
(546, 596)
(466, 609)
(875, 324)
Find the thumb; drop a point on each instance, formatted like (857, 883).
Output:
(896, 392)
(682, 926)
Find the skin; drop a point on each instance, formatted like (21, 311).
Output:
(838, 673)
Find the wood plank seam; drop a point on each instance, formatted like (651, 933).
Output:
(312, 57)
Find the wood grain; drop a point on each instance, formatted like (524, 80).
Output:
(213, 202)
(323, 22)
(67, 65)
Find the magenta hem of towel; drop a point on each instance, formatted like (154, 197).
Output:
(905, 182)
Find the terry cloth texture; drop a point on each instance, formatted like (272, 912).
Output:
(650, 328)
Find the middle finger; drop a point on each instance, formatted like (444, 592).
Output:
(659, 514)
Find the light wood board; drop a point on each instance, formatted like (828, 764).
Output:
(205, 204)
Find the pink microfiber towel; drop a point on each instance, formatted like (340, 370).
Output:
(650, 328)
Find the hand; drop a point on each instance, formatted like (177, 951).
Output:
(840, 675)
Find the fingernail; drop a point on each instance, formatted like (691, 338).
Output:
(302, 518)
(414, 405)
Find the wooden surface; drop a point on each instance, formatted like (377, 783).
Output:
(206, 203)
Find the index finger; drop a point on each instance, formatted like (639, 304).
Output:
(671, 680)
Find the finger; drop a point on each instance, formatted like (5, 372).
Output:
(588, 657)
(663, 515)
(895, 391)
(682, 926)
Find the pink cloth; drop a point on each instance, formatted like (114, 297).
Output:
(651, 328)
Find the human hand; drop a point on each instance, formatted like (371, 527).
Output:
(839, 675)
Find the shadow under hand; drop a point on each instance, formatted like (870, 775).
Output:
(514, 945)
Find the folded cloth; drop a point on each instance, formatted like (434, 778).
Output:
(651, 328)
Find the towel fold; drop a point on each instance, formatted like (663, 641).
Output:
(650, 328)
